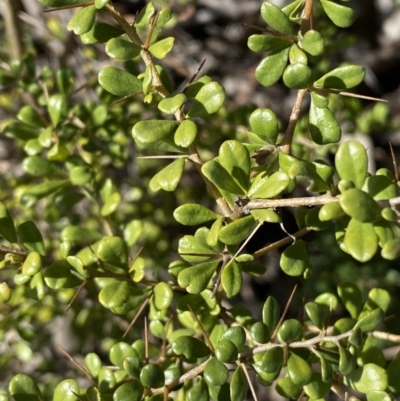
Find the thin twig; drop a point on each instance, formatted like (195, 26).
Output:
(144, 304)
(80, 288)
(205, 334)
(246, 373)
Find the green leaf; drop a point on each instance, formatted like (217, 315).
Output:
(265, 215)
(347, 361)
(360, 240)
(272, 361)
(186, 133)
(113, 251)
(378, 396)
(196, 278)
(264, 43)
(369, 377)
(298, 370)
(42, 190)
(24, 388)
(99, 4)
(345, 77)
(161, 48)
(152, 376)
(226, 351)
(271, 313)
(271, 68)
(393, 374)
(7, 227)
(235, 159)
(122, 49)
(100, 32)
(380, 187)
(172, 103)
(190, 346)
(234, 233)
(212, 237)
(93, 364)
(391, 249)
(58, 274)
(265, 187)
(360, 206)
(193, 214)
(21, 131)
(147, 132)
(370, 321)
(119, 82)
(324, 127)
(238, 385)
(114, 294)
(29, 115)
(199, 392)
(295, 259)
(168, 178)
(313, 43)
(286, 388)
(67, 390)
(31, 238)
(297, 76)
(317, 388)
(221, 178)
(276, 18)
(32, 264)
(351, 162)
(265, 124)
(5, 293)
(83, 20)
(341, 16)
(330, 211)
(317, 313)
(62, 3)
(237, 335)
(215, 373)
(56, 107)
(208, 100)
(231, 279)
(351, 297)
(163, 295)
(291, 330)
(132, 391)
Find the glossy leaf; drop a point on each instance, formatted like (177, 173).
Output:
(317, 313)
(208, 100)
(324, 127)
(276, 18)
(215, 373)
(370, 321)
(265, 215)
(271, 313)
(5, 292)
(313, 43)
(93, 364)
(162, 48)
(132, 391)
(330, 211)
(163, 295)
(238, 385)
(272, 360)
(7, 227)
(299, 370)
(56, 106)
(119, 82)
(29, 115)
(295, 259)
(190, 346)
(119, 352)
(341, 16)
(193, 214)
(351, 162)
(168, 178)
(79, 234)
(31, 238)
(380, 187)
(114, 294)
(186, 133)
(345, 77)
(360, 206)
(226, 351)
(147, 132)
(113, 251)
(24, 388)
(66, 390)
(199, 392)
(360, 240)
(172, 104)
(264, 43)
(83, 20)
(297, 76)
(317, 388)
(100, 32)
(369, 377)
(152, 376)
(264, 123)
(291, 330)
(286, 388)
(122, 49)
(196, 278)
(271, 68)
(231, 279)
(237, 335)
(260, 332)
(265, 187)
(391, 249)
(32, 264)
(57, 275)
(234, 233)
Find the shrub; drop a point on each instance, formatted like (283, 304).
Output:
(89, 240)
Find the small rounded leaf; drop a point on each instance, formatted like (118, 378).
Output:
(260, 332)
(360, 205)
(234, 233)
(152, 376)
(276, 18)
(295, 259)
(132, 391)
(186, 133)
(313, 43)
(193, 214)
(231, 279)
(163, 295)
(32, 264)
(271, 68)
(341, 16)
(215, 373)
(168, 178)
(369, 377)
(119, 352)
(147, 132)
(361, 240)
(196, 278)
(67, 390)
(264, 123)
(93, 364)
(24, 388)
(122, 49)
(171, 104)
(208, 100)
(190, 346)
(119, 82)
(324, 127)
(238, 385)
(291, 330)
(286, 388)
(5, 292)
(83, 20)
(345, 77)
(299, 370)
(226, 351)
(297, 76)
(161, 48)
